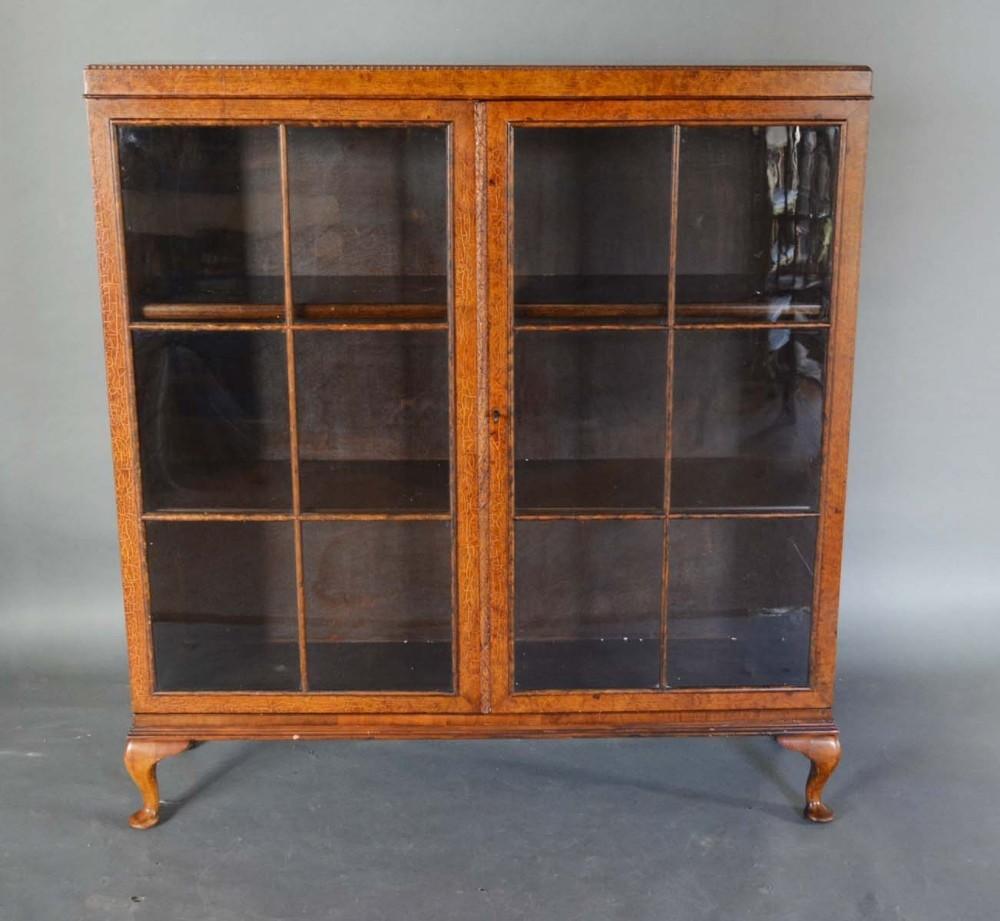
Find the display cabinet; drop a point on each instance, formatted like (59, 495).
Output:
(454, 402)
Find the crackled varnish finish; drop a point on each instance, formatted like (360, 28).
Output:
(491, 673)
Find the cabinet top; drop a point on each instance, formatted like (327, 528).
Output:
(485, 83)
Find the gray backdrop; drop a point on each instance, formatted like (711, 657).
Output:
(921, 583)
(581, 830)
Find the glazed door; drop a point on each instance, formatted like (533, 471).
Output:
(660, 306)
(300, 302)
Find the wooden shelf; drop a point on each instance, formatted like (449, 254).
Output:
(743, 486)
(742, 648)
(341, 299)
(640, 301)
(378, 315)
(629, 488)
(562, 665)
(604, 300)
(708, 299)
(551, 318)
(252, 487)
(232, 656)
(236, 313)
(208, 515)
(349, 326)
(390, 488)
(759, 312)
(238, 656)
(234, 292)
(580, 488)
(632, 488)
(420, 666)
(737, 649)
(531, 316)
(723, 288)
(330, 490)
(372, 312)
(412, 290)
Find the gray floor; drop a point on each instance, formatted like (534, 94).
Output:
(612, 829)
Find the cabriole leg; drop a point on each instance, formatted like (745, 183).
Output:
(141, 758)
(823, 752)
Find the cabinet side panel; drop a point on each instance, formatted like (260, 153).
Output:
(121, 408)
(840, 361)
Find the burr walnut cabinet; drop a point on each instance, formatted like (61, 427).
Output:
(479, 401)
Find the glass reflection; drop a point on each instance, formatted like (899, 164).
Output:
(756, 223)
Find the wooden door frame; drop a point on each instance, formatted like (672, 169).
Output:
(104, 114)
(851, 115)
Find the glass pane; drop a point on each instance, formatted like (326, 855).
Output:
(213, 420)
(369, 212)
(591, 222)
(589, 413)
(373, 420)
(587, 604)
(202, 211)
(747, 419)
(740, 602)
(378, 602)
(222, 603)
(755, 223)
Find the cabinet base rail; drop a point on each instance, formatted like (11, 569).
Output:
(146, 748)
